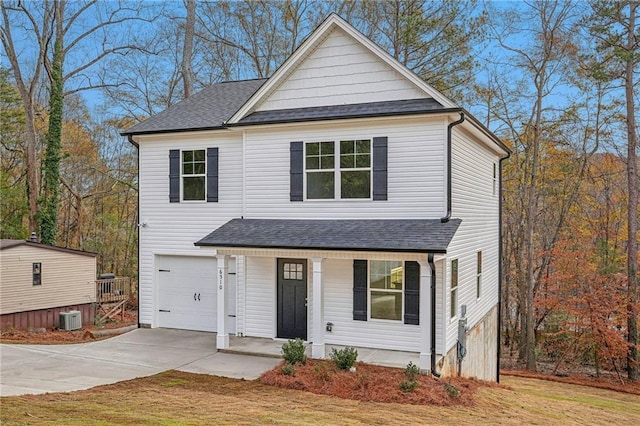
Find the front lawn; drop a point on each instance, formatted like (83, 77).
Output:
(183, 398)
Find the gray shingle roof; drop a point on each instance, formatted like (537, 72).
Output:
(411, 235)
(377, 109)
(207, 109)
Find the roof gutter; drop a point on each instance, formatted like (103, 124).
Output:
(134, 143)
(500, 274)
(433, 315)
(449, 127)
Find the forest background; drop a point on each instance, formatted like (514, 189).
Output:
(556, 80)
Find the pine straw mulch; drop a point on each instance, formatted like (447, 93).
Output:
(374, 383)
(56, 337)
(609, 381)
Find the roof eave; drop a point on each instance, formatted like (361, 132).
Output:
(349, 117)
(438, 250)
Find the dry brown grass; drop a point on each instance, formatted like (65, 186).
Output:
(183, 398)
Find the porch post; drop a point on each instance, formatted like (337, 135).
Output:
(222, 338)
(425, 316)
(317, 347)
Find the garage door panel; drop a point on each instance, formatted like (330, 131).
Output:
(187, 293)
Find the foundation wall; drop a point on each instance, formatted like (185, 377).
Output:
(45, 318)
(480, 361)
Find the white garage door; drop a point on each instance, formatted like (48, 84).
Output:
(187, 292)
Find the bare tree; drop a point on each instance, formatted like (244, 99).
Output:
(615, 26)
(187, 50)
(79, 27)
(542, 65)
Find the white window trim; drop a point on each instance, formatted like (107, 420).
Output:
(369, 290)
(479, 275)
(452, 316)
(182, 176)
(337, 171)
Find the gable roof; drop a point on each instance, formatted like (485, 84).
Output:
(8, 243)
(208, 109)
(310, 43)
(391, 235)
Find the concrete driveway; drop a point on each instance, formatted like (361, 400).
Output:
(34, 369)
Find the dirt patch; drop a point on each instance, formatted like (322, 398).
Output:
(54, 337)
(373, 383)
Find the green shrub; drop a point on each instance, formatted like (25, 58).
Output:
(451, 390)
(288, 370)
(322, 371)
(293, 352)
(344, 358)
(411, 372)
(408, 386)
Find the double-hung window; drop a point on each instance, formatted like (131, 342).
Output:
(386, 279)
(343, 176)
(355, 169)
(320, 164)
(194, 175)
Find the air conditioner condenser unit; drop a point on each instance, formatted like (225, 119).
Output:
(71, 320)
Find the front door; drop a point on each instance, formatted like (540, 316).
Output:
(292, 298)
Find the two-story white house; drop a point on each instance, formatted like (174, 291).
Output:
(343, 201)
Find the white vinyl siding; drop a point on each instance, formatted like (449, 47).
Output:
(416, 168)
(260, 297)
(66, 279)
(474, 202)
(174, 227)
(340, 71)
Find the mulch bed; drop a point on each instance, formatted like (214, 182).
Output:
(609, 382)
(53, 337)
(374, 383)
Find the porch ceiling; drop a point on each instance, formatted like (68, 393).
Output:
(406, 236)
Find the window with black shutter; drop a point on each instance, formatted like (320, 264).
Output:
(386, 290)
(193, 175)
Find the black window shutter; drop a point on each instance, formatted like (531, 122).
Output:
(412, 293)
(174, 176)
(212, 175)
(296, 171)
(380, 168)
(360, 290)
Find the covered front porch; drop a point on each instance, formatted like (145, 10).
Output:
(369, 284)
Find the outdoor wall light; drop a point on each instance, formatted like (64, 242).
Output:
(329, 326)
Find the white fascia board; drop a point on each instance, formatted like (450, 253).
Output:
(316, 37)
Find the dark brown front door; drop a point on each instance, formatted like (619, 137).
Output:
(292, 298)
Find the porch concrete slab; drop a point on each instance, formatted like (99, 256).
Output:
(273, 348)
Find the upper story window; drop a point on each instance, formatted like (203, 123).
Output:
(193, 175)
(343, 176)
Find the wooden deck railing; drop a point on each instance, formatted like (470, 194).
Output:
(113, 289)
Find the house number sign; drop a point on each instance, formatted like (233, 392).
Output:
(220, 278)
